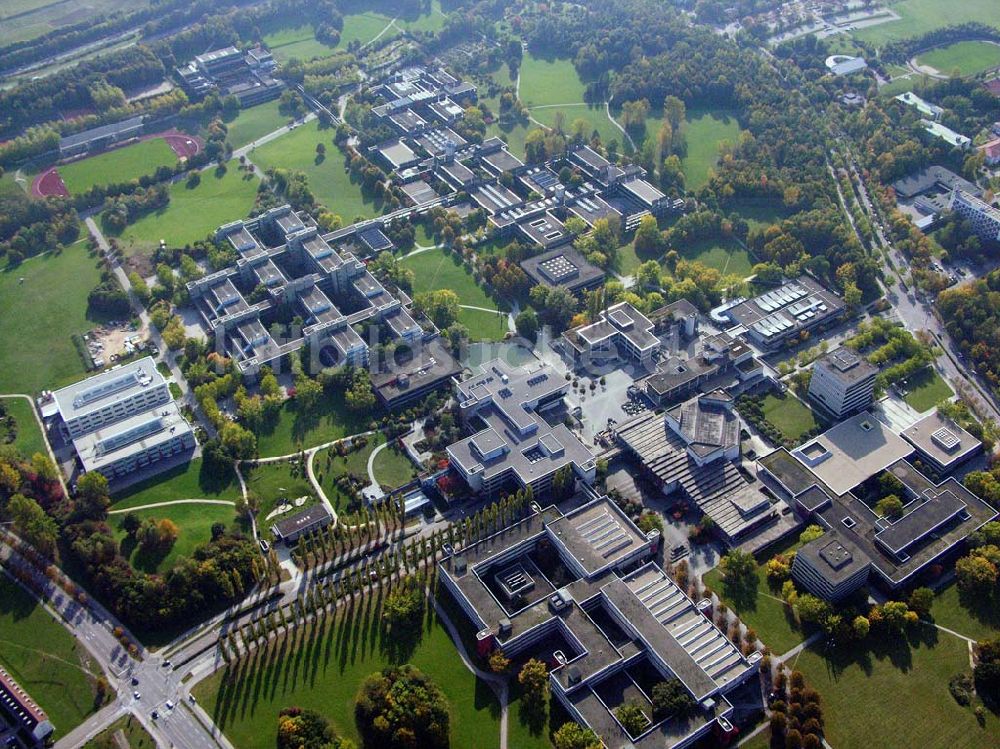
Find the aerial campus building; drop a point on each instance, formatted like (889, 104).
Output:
(232, 73)
(580, 590)
(512, 444)
(622, 332)
(692, 451)
(842, 383)
(778, 316)
(22, 722)
(123, 419)
(985, 218)
(288, 267)
(98, 138)
(820, 479)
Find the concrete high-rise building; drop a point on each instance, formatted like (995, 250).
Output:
(842, 383)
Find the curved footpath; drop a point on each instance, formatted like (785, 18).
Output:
(169, 502)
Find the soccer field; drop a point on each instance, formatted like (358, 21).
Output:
(968, 58)
(917, 17)
(117, 165)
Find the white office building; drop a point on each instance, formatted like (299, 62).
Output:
(842, 383)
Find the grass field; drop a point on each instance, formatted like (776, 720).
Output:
(484, 326)
(330, 420)
(38, 316)
(44, 658)
(29, 438)
(896, 693)
(926, 389)
(758, 213)
(549, 81)
(761, 609)
(194, 523)
(968, 58)
(977, 619)
(793, 417)
(272, 482)
(328, 180)
(438, 269)
(21, 20)
(323, 669)
(117, 165)
(705, 130)
(255, 122)
(514, 135)
(131, 730)
(189, 481)
(726, 256)
(297, 42)
(193, 213)
(550, 87)
(920, 16)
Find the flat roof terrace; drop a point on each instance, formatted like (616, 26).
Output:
(597, 535)
(852, 451)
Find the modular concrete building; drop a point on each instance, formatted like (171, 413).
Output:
(775, 317)
(831, 567)
(985, 218)
(842, 383)
(578, 590)
(124, 419)
(512, 443)
(622, 332)
(111, 396)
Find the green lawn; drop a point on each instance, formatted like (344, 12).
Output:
(550, 87)
(920, 16)
(298, 42)
(439, 269)
(193, 213)
(251, 124)
(37, 17)
(793, 417)
(705, 130)
(969, 58)
(896, 693)
(189, 481)
(132, 731)
(117, 165)
(758, 213)
(926, 389)
(329, 421)
(323, 669)
(38, 316)
(194, 522)
(727, 256)
(44, 658)
(595, 116)
(29, 438)
(977, 619)
(393, 468)
(484, 326)
(549, 81)
(762, 609)
(328, 180)
(272, 482)
(432, 21)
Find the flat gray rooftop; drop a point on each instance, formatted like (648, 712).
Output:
(116, 384)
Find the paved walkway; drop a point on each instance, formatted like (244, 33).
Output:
(194, 501)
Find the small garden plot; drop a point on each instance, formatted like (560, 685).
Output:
(780, 417)
(925, 389)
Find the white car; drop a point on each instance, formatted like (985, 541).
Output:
(136, 695)
(170, 705)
